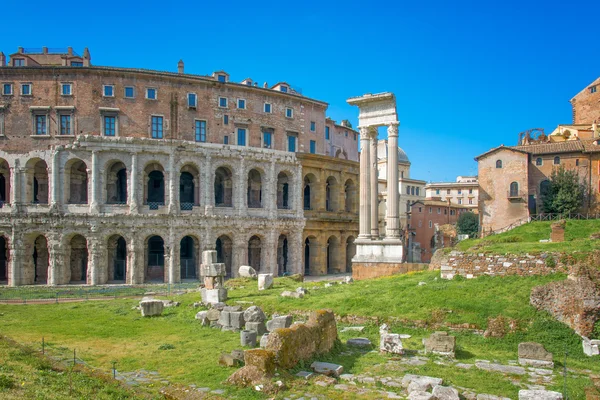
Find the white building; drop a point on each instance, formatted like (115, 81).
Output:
(465, 191)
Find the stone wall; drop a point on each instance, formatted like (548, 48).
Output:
(586, 105)
(474, 265)
(362, 271)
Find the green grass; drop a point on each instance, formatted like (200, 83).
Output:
(525, 239)
(180, 350)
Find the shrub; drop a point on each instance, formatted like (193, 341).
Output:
(468, 224)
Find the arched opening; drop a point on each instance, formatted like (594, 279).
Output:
(331, 194)
(282, 256)
(557, 160)
(309, 191)
(333, 255)
(3, 260)
(78, 259)
(116, 183)
(40, 258)
(350, 252)
(37, 181)
(188, 187)
(254, 189)
(224, 247)
(283, 191)
(188, 257)
(514, 189)
(498, 163)
(223, 187)
(155, 186)
(350, 196)
(310, 256)
(76, 182)
(4, 183)
(254, 252)
(117, 259)
(155, 266)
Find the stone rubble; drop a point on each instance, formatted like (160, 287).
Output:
(328, 369)
(534, 354)
(246, 271)
(591, 347)
(265, 281)
(151, 307)
(283, 321)
(389, 342)
(214, 290)
(539, 395)
(440, 343)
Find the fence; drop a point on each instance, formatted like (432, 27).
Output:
(56, 294)
(556, 217)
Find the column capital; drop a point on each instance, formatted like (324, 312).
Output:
(392, 128)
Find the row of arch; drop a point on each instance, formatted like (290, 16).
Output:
(330, 256)
(330, 193)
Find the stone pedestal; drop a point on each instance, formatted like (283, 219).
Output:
(214, 273)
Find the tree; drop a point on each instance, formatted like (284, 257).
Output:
(468, 224)
(564, 193)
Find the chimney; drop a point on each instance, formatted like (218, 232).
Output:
(180, 67)
(45, 50)
(20, 50)
(86, 57)
(2, 59)
(265, 85)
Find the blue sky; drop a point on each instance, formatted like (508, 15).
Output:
(468, 76)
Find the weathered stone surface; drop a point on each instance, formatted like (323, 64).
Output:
(505, 369)
(359, 342)
(246, 271)
(389, 342)
(484, 396)
(420, 395)
(265, 281)
(353, 328)
(213, 270)
(236, 320)
(531, 353)
(408, 378)
(202, 317)
(297, 277)
(209, 257)
(232, 308)
(445, 393)
(262, 359)
(264, 339)
(440, 343)
(348, 279)
(287, 293)
(591, 347)
(151, 308)
(228, 360)
(213, 314)
(305, 374)
(328, 369)
(539, 395)
(258, 327)
(213, 295)
(238, 355)
(284, 321)
(418, 386)
(224, 318)
(301, 290)
(170, 303)
(248, 338)
(254, 314)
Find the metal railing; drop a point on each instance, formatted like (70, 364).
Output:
(556, 217)
(155, 205)
(187, 206)
(188, 268)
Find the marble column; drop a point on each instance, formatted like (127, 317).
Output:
(56, 261)
(364, 221)
(94, 206)
(133, 185)
(392, 216)
(96, 266)
(54, 200)
(374, 184)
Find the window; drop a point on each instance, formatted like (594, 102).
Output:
(241, 137)
(40, 124)
(223, 102)
(225, 139)
(267, 140)
(420, 209)
(412, 190)
(556, 160)
(7, 89)
(267, 107)
(430, 210)
(354, 136)
(577, 162)
(241, 104)
(437, 191)
(289, 112)
(313, 126)
(407, 189)
(292, 143)
(225, 119)
(470, 191)
(108, 91)
(470, 201)
(284, 89)
(459, 191)
(192, 100)
(64, 124)
(129, 92)
(445, 211)
(66, 89)
(200, 130)
(157, 127)
(76, 64)
(326, 133)
(498, 163)
(417, 190)
(593, 89)
(408, 206)
(430, 224)
(346, 133)
(448, 191)
(514, 189)
(452, 212)
(221, 78)
(539, 161)
(151, 93)
(109, 125)
(313, 147)
(439, 210)
(26, 89)
(19, 62)
(402, 174)
(460, 200)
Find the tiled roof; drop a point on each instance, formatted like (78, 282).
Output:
(569, 146)
(501, 147)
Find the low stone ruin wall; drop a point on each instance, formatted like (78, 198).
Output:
(474, 265)
(375, 270)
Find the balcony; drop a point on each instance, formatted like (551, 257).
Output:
(516, 195)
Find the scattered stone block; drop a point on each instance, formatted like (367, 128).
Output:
(418, 386)
(265, 281)
(591, 347)
(301, 291)
(264, 340)
(246, 271)
(213, 270)
(254, 314)
(248, 338)
(202, 317)
(408, 378)
(445, 393)
(419, 395)
(262, 359)
(484, 396)
(211, 296)
(209, 257)
(359, 342)
(348, 279)
(213, 314)
(287, 293)
(284, 321)
(328, 369)
(233, 308)
(305, 374)
(389, 342)
(353, 328)
(297, 277)
(151, 308)
(534, 354)
(170, 303)
(258, 327)
(236, 320)
(539, 395)
(224, 318)
(228, 360)
(440, 343)
(504, 369)
(238, 355)
(217, 306)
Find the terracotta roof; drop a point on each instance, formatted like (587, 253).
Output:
(569, 146)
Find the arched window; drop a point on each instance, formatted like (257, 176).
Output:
(538, 161)
(557, 160)
(514, 189)
(498, 163)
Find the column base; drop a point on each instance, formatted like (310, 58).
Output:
(378, 251)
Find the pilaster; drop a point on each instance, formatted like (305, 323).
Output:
(95, 204)
(133, 186)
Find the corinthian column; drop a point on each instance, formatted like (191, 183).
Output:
(392, 221)
(364, 221)
(374, 185)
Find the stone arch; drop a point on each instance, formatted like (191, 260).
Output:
(284, 197)
(333, 255)
(255, 252)
(254, 195)
(4, 257)
(4, 182)
(189, 186)
(36, 183)
(76, 182)
(37, 260)
(154, 185)
(77, 256)
(311, 250)
(310, 189)
(350, 196)
(331, 194)
(283, 261)
(223, 187)
(116, 182)
(155, 259)
(117, 259)
(350, 252)
(189, 254)
(224, 247)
